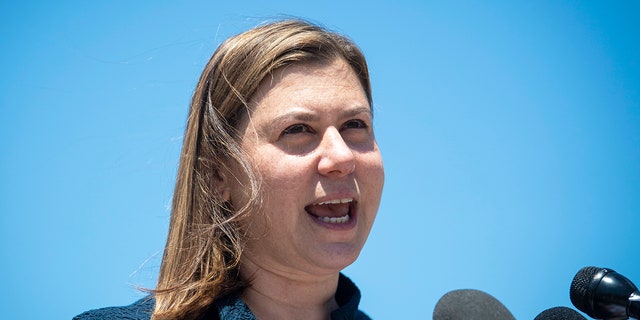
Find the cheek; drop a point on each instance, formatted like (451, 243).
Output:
(373, 171)
(284, 174)
(276, 166)
(282, 180)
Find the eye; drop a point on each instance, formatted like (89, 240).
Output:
(296, 128)
(355, 124)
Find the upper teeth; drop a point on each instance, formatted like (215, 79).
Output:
(336, 201)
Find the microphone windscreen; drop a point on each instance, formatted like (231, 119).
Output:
(560, 313)
(470, 304)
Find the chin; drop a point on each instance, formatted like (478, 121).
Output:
(338, 256)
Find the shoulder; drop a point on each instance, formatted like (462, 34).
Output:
(359, 315)
(139, 310)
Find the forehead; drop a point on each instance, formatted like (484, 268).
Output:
(310, 80)
(312, 88)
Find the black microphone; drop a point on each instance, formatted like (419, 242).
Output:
(470, 304)
(603, 293)
(559, 313)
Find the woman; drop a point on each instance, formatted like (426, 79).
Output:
(279, 183)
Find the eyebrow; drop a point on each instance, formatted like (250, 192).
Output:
(303, 115)
(356, 111)
(299, 115)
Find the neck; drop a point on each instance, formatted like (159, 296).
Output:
(283, 295)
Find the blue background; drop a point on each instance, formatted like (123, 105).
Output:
(510, 132)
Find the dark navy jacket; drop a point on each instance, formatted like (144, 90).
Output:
(231, 308)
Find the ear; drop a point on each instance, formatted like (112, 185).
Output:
(221, 186)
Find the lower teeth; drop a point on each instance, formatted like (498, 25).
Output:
(334, 220)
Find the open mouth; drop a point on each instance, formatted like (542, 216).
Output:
(337, 211)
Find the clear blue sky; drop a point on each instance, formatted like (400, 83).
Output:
(510, 132)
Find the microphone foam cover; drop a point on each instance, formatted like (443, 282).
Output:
(560, 313)
(470, 304)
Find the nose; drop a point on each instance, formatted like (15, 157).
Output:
(337, 158)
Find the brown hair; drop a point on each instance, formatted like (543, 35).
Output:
(204, 244)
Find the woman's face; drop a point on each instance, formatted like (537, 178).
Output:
(310, 137)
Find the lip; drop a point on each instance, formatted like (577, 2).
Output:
(343, 194)
(353, 210)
